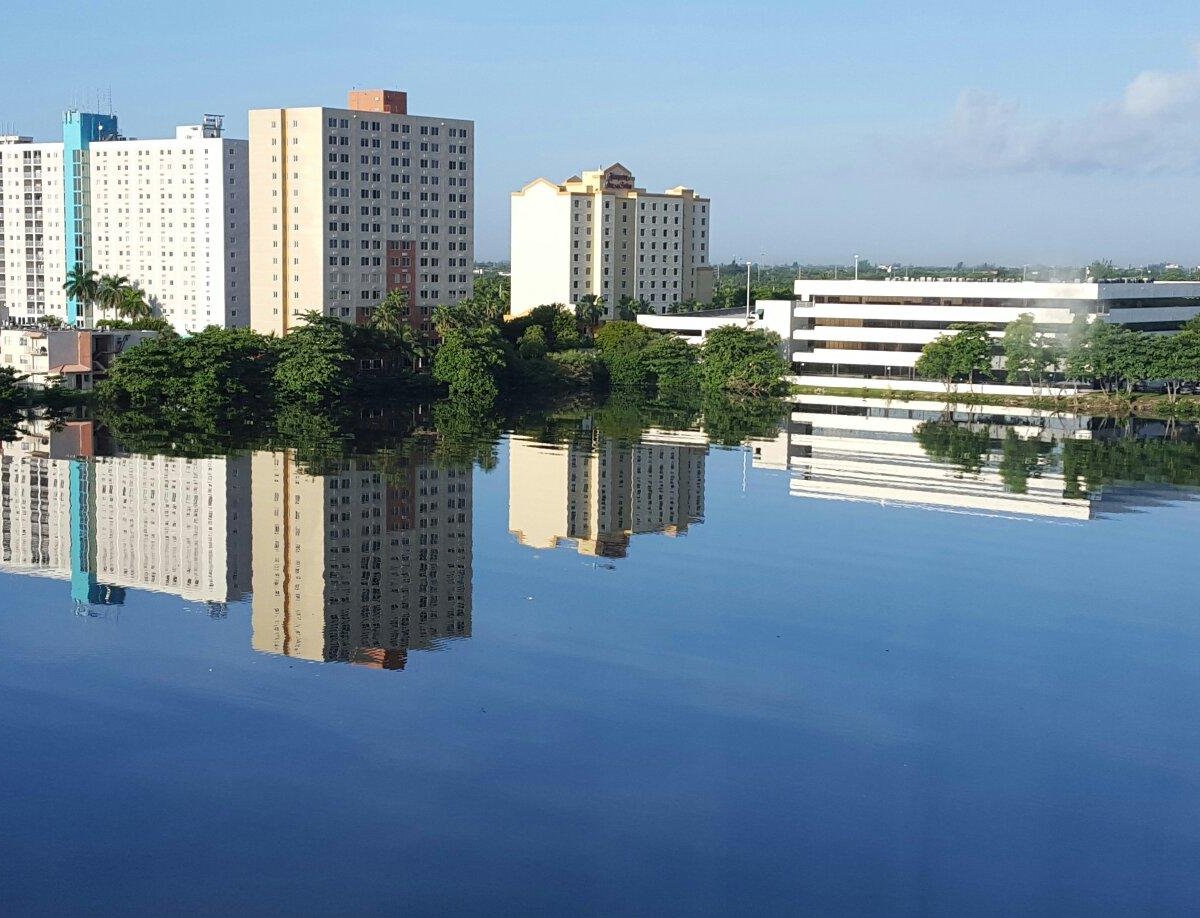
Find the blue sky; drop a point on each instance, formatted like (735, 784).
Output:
(1057, 132)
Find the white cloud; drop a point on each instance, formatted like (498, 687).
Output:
(1154, 127)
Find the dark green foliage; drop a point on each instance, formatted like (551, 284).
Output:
(533, 343)
(671, 362)
(470, 362)
(743, 361)
(621, 346)
(314, 363)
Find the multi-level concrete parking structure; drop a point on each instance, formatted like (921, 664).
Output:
(348, 204)
(599, 234)
(847, 331)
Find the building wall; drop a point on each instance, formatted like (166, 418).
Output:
(334, 190)
(608, 238)
(32, 254)
(848, 331)
(173, 216)
(540, 247)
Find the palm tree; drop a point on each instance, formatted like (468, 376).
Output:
(390, 318)
(81, 285)
(133, 305)
(110, 292)
(589, 311)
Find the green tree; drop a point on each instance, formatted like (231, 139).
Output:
(746, 361)
(470, 362)
(589, 312)
(133, 304)
(627, 309)
(672, 362)
(957, 358)
(1102, 269)
(315, 362)
(1021, 458)
(533, 343)
(110, 292)
(621, 346)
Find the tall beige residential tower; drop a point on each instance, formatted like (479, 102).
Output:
(600, 234)
(347, 204)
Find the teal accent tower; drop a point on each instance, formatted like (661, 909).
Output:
(80, 129)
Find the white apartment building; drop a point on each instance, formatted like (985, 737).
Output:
(600, 234)
(348, 204)
(173, 216)
(32, 248)
(170, 215)
(848, 331)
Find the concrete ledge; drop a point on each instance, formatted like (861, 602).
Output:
(925, 385)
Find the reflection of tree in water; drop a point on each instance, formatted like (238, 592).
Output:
(1088, 465)
(1022, 458)
(957, 444)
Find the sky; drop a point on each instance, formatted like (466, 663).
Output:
(1055, 132)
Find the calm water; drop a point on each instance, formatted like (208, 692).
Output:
(881, 662)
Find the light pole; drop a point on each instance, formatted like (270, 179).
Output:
(748, 264)
(856, 257)
(1024, 269)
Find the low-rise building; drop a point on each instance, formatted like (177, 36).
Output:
(848, 331)
(68, 357)
(599, 234)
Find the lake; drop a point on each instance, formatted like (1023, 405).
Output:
(886, 658)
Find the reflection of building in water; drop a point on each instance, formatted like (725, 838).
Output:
(991, 460)
(358, 565)
(106, 524)
(600, 492)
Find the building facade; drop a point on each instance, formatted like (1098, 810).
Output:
(349, 204)
(174, 217)
(33, 255)
(845, 331)
(171, 215)
(74, 358)
(599, 234)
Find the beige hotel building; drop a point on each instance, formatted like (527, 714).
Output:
(600, 234)
(347, 204)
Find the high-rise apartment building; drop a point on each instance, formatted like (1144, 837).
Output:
(33, 259)
(173, 216)
(170, 215)
(348, 204)
(357, 565)
(600, 234)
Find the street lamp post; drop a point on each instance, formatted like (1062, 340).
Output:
(856, 257)
(748, 264)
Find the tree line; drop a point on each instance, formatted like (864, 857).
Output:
(1112, 358)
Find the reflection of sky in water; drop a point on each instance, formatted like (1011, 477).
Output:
(781, 704)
